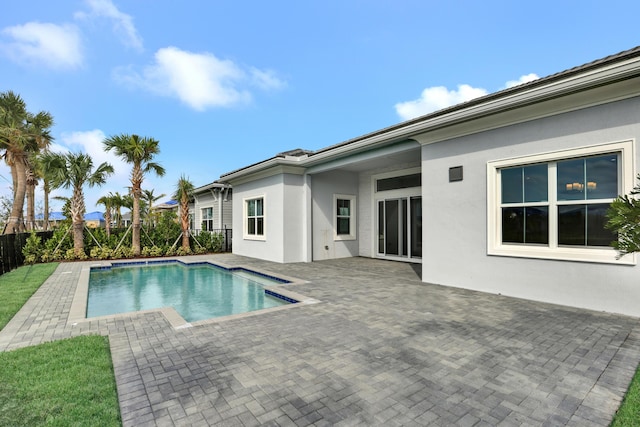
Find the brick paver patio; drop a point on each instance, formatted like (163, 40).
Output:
(381, 348)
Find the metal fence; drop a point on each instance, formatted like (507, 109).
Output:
(11, 249)
(226, 233)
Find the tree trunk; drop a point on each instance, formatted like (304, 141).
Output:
(31, 206)
(107, 221)
(184, 219)
(14, 225)
(77, 215)
(136, 190)
(135, 219)
(45, 214)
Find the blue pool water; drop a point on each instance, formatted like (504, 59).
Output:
(197, 292)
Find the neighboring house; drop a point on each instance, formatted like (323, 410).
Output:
(94, 219)
(211, 207)
(506, 193)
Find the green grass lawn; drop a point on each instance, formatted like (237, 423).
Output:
(17, 286)
(61, 383)
(629, 413)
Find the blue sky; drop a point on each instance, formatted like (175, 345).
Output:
(223, 84)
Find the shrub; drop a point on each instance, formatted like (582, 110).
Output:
(32, 249)
(624, 219)
(183, 251)
(152, 251)
(70, 255)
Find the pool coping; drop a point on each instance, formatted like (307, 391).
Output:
(77, 312)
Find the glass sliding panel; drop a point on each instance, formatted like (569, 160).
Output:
(404, 221)
(391, 227)
(381, 223)
(416, 227)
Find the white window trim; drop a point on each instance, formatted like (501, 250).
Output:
(598, 255)
(245, 222)
(352, 217)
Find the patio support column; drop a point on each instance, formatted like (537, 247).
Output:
(307, 223)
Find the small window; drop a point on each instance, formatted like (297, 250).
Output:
(399, 182)
(344, 217)
(254, 218)
(207, 219)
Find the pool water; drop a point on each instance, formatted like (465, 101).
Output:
(197, 292)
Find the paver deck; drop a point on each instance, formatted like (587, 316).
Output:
(381, 348)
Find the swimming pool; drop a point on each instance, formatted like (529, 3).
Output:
(196, 291)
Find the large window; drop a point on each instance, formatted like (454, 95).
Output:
(207, 219)
(254, 218)
(554, 206)
(344, 224)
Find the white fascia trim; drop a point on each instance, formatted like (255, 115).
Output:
(264, 170)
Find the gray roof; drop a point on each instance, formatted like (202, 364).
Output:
(611, 59)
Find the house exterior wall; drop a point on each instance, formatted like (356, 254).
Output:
(222, 209)
(455, 213)
(324, 186)
(283, 218)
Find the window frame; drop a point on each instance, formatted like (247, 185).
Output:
(352, 235)
(245, 219)
(208, 221)
(626, 176)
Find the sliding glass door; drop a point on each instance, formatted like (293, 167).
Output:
(400, 227)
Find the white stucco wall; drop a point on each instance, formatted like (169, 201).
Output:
(324, 186)
(283, 208)
(455, 214)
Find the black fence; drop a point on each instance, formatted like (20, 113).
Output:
(11, 249)
(226, 233)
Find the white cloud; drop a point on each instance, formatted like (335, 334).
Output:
(266, 80)
(122, 23)
(90, 142)
(523, 79)
(439, 97)
(51, 45)
(200, 80)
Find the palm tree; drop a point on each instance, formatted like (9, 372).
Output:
(20, 133)
(108, 202)
(139, 152)
(40, 137)
(74, 170)
(183, 194)
(150, 198)
(43, 171)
